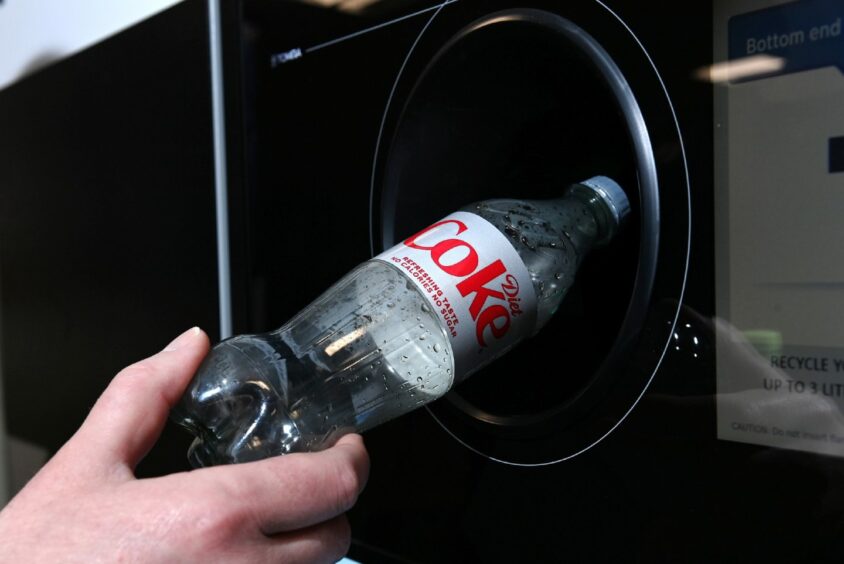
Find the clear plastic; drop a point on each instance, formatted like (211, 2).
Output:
(553, 236)
(370, 348)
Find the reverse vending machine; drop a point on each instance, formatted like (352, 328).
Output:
(224, 166)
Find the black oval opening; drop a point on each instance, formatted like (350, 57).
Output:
(520, 104)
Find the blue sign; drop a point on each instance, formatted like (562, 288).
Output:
(805, 35)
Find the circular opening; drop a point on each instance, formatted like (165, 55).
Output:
(521, 104)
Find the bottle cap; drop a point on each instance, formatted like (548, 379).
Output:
(612, 194)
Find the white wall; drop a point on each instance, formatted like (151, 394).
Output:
(36, 31)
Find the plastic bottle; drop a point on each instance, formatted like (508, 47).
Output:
(399, 330)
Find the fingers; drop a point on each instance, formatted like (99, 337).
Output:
(130, 414)
(327, 542)
(295, 491)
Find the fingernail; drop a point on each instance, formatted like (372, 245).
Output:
(182, 339)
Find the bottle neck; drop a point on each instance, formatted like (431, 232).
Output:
(588, 222)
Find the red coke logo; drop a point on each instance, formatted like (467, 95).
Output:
(492, 306)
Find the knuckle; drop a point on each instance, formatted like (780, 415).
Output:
(365, 466)
(327, 542)
(215, 526)
(348, 485)
(140, 369)
(123, 387)
(337, 539)
(132, 377)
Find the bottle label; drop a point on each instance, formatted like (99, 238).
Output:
(476, 282)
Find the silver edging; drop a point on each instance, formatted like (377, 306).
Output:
(220, 170)
(636, 401)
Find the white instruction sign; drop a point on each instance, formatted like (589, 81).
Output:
(779, 169)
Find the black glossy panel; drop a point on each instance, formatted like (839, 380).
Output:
(107, 236)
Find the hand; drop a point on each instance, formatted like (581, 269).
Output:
(86, 504)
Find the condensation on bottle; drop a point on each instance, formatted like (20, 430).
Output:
(399, 330)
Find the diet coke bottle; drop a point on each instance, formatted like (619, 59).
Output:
(400, 329)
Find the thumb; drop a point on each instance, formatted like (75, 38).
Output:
(130, 414)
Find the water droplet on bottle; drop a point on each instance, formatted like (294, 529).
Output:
(445, 359)
(421, 337)
(436, 347)
(377, 363)
(426, 309)
(420, 325)
(419, 379)
(557, 275)
(391, 304)
(409, 373)
(553, 245)
(448, 370)
(507, 218)
(404, 358)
